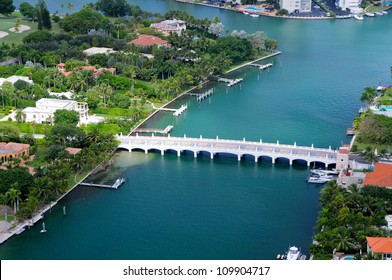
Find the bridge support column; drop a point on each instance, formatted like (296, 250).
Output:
(195, 154)
(162, 152)
(273, 160)
(308, 163)
(290, 161)
(146, 151)
(239, 157)
(178, 153)
(256, 159)
(212, 155)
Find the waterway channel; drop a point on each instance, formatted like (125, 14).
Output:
(186, 208)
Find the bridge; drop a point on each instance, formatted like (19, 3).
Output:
(238, 148)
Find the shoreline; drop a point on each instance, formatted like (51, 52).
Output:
(21, 226)
(275, 16)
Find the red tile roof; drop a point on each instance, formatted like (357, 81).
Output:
(380, 244)
(14, 147)
(148, 40)
(73, 151)
(342, 151)
(381, 176)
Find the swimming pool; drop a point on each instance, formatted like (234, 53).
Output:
(385, 108)
(253, 8)
(348, 258)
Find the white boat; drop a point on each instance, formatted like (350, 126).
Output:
(245, 13)
(317, 180)
(358, 17)
(293, 254)
(254, 15)
(265, 66)
(384, 12)
(43, 230)
(323, 172)
(381, 88)
(379, 13)
(370, 15)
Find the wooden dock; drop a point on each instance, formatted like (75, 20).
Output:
(115, 186)
(201, 96)
(155, 130)
(230, 82)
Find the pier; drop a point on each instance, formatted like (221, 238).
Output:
(230, 82)
(202, 96)
(273, 151)
(167, 130)
(115, 186)
(176, 112)
(261, 66)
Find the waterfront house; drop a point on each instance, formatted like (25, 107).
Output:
(170, 26)
(12, 150)
(13, 79)
(353, 5)
(380, 245)
(45, 108)
(149, 41)
(380, 176)
(95, 50)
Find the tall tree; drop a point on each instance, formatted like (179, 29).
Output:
(6, 7)
(114, 8)
(27, 10)
(43, 16)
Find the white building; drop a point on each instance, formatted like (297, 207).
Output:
(170, 26)
(353, 5)
(45, 108)
(14, 79)
(301, 6)
(96, 50)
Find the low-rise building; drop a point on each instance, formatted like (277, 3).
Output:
(95, 50)
(149, 41)
(97, 72)
(45, 108)
(170, 26)
(12, 150)
(380, 176)
(380, 245)
(13, 79)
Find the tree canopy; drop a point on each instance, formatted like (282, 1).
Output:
(84, 20)
(113, 8)
(66, 117)
(6, 7)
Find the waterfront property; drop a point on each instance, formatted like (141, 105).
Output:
(380, 176)
(170, 26)
(149, 41)
(380, 245)
(45, 108)
(299, 6)
(13, 79)
(239, 148)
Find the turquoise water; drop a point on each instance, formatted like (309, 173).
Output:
(186, 208)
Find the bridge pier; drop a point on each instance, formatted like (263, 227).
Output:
(256, 159)
(195, 154)
(212, 155)
(178, 153)
(162, 152)
(290, 161)
(146, 152)
(273, 160)
(239, 157)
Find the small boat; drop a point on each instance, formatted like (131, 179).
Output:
(358, 17)
(265, 66)
(322, 172)
(245, 13)
(384, 12)
(379, 13)
(370, 15)
(317, 180)
(254, 15)
(43, 230)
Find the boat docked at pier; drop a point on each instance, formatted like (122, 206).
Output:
(370, 14)
(254, 15)
(317, 180)
(358, 17)
(292, 254)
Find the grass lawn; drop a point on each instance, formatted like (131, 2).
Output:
(7, 22)
(372, 8)
(1, 116)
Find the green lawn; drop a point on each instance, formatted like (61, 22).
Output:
(1, 116)
(372, 8)
(7, 22)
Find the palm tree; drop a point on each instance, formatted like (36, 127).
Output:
(13, 195)
(20, 116)
(342, 240)
(368, 95)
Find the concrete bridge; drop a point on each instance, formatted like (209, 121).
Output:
(238, 148)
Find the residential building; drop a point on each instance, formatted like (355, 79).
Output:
(13, 150)
(380, 245)
(353, 5)
(170, 26)
(149, 41)
(296, 6)
(95, 50)
(380, 176)
(45, 108)
(14, 79)
(97, 72)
